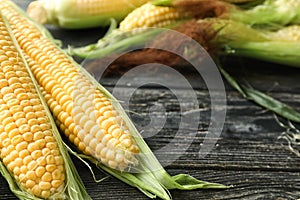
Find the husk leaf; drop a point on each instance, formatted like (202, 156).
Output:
(262, 99)
(270, 12)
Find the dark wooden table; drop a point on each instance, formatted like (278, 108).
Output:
(248, 155)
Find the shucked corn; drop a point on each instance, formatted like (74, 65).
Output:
(28, 147)
(84, 113)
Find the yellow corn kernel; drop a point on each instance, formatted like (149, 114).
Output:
(149, 15)
(18, 150)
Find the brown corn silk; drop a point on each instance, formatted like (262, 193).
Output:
(204, 8)
(82, 112)
(27, 144)
(200, 32)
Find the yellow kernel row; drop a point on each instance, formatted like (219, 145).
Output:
(24, 127)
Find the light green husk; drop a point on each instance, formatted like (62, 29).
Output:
(292, 134)
(282, 12)
(151, 178)
(235, 38)
(117, 41)
(262, 99)
(74, 186)
(269, 51)
(268, 12)
(66, 13)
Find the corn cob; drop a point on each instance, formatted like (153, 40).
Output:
(28, 147)
(149, 15)
(81, 13)
(85, 114)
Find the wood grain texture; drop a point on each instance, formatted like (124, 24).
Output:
(248, 155)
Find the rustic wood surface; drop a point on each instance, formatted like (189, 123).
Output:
(248, 155)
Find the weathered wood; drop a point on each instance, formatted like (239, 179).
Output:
(245, 185)
(247, 147)
(247, 155)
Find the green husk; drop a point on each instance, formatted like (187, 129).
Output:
(262, 99)
(104, 41)
(235, 38)
(117, 41)
(285, 53)
(150, 177)
(231, 37)
(74, 186)
(257, 12)
(282, 12)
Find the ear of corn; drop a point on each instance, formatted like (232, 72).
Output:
(139, 20)
(159, 13)
(149, 15)
(33, 158)
(91, 117)
(81, 13)
(81, 109)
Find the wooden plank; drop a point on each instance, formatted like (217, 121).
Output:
(267, 77)
(247, 185)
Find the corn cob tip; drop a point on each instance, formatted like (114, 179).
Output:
(37, 11)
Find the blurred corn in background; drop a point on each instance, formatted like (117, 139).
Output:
(75, 14)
